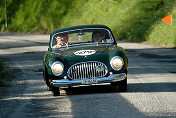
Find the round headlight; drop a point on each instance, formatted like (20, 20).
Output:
(117, 63)
(57, 68)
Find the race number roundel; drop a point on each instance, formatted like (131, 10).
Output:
(84, 52)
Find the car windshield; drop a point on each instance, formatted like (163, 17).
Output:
(77, 37)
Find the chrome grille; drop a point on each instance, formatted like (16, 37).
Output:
(90, 69)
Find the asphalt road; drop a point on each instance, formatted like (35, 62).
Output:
(151, 84)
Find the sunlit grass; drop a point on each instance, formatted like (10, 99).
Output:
(133, 20)
(164, 34)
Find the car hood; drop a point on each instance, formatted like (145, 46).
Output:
(102, 53)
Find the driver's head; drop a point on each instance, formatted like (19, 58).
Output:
(62, 38)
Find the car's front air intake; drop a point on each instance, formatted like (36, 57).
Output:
(90, 69)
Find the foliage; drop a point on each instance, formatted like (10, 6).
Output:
(162, 33)
(134, 20)
(4, 74)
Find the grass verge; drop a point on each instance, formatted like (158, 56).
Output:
(5, 74)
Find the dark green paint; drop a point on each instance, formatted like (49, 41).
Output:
(104, 53)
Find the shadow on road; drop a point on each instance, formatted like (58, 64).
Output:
(90, 90)
(132, 88)
(151, 87)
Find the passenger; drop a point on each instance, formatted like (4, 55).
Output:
(96, 37)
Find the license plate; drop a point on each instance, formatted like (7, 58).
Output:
(89, 81)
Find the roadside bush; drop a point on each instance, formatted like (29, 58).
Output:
(5, 75)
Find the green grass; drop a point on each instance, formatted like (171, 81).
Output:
(133, 20)
(162, 33)
(1, 72)
(5, 75)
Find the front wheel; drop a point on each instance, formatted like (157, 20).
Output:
(46, 79)
(120, 86)
(55, 91)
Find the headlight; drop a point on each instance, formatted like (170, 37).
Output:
(57, 68)
(117, 63)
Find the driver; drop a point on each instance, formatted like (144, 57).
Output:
(61, 41)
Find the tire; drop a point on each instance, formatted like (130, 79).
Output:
(55, 91)
(120, 86)
(46, 79)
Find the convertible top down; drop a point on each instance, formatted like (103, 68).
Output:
(84, 55)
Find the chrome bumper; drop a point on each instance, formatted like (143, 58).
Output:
(75, 82)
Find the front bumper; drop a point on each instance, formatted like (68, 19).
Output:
(75, 82)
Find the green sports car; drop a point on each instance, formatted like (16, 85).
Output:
(84, 55)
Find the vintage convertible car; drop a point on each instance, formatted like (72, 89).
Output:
(84, 55)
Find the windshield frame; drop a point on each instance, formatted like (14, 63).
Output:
(81, 43)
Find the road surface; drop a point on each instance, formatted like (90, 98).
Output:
(151, 84)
